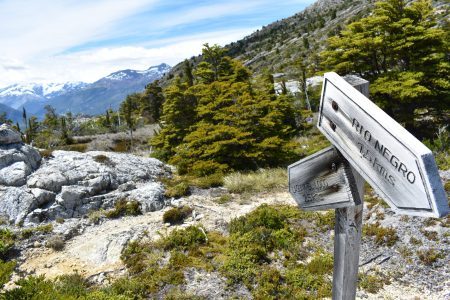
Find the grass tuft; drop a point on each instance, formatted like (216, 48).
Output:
(263, 180)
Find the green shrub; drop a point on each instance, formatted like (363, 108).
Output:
(321, 264)
(177, 215)
(213, 180)
(6, 270)
(372, 283)
(179, 190)
(383, 235)
(184, 239)
(429, 256)
(264, 216)
(28, 232)
(82, 147)
(73, 284)
(123, 207)
(7, 240)
(224, 199)
(431, 235)
(94, 216)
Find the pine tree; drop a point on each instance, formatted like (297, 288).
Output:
(178, 114)
(403, 53)
(151, 102)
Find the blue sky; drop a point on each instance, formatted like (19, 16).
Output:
(83, 40)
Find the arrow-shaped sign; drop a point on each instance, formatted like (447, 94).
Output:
(399, 167)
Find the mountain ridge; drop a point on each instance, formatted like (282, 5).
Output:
(80, 97)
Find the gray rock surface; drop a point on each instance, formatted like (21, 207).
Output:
(71, 184)
(8, 135)
(17, 161)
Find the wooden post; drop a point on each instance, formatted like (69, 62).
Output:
(348, 229)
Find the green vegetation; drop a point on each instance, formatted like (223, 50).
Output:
(270, 233)
(263, 180)
(401, 51)
(55, 242)
(429, 256)
(7, 240)
(372, 283)
(383, 235)
(217, 120)
(124, 207)
(177, 215)
(29, 232)
(224, 199)
(103, 159)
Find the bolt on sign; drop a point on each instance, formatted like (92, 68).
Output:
(399, 167)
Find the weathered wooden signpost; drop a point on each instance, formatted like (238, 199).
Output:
(368, 145)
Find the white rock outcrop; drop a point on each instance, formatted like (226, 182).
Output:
(71, 184)
(17, 160)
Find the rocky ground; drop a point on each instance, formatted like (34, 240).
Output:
(65, 188)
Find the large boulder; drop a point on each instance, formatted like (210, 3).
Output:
(9, 135)
(71, 184)
(17, 160)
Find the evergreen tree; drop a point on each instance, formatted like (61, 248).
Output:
(50, 118)
(236, 126)
(404, 55)
(177, 117)
(24, 116)
(128, 107)
(32, 129)
(188, 72)
(151, 102)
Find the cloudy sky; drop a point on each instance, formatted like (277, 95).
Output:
(84, 40)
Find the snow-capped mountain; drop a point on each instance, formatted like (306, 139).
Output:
(79, 97)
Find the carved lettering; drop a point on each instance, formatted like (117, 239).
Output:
(394, 161)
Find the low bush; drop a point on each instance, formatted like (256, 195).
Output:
(372, 283)
(55, 242)
(7, 240)
(429, 256)
(383, 236)
(29, 232)
(103, 159)
(178, 190)
(177, 215)
(123, 207)
(46, 153)
(6, 270)
(190, 238)
(431, 235)
(224, 199)
(267, 236)
(213, 180)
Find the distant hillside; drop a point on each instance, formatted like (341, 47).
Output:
(11, 113)
(90, 99)
(279, 46)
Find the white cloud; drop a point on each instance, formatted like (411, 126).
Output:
(91, 65)
(46, 27)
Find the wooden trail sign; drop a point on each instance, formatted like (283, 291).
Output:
(398, 166)
(323, 180)
(368, 145)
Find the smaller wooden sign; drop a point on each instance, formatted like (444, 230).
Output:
(322, 181)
